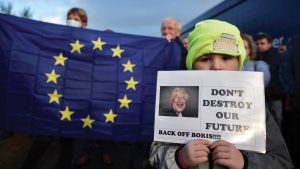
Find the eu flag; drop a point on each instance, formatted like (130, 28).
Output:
(72, 82)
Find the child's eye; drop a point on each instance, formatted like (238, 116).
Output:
(204, 59)
(226, 57)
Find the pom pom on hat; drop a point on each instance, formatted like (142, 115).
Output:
(214, 36)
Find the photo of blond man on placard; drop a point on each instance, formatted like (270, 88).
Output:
(180, 101)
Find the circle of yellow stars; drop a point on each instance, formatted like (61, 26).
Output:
(60, 60)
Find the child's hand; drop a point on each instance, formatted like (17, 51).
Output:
(196, 152)
(226, 154)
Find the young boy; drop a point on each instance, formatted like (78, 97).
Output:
(217, 45)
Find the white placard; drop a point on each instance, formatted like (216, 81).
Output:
(227, 105)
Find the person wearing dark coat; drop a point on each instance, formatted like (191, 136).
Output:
(274, 94)
(171, 30)
(290, 75)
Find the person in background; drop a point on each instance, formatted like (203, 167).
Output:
(76, 17)
(282, 47)
(201, 153)
(171, 30)
(185, 43)
(270, 55)
(290, 75)
(250, 63)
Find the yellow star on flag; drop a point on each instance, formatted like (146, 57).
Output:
(110, 116)
(117, 51)
(52, 77)
(76, 46)
(128, 66)
(98, 44)
(54, 97)
(60, 59)
(131, 83)
(87, 122)
(66, 114)
(124, 102)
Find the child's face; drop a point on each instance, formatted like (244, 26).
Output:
(216, 62)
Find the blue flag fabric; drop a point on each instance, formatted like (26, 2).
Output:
(72, 82)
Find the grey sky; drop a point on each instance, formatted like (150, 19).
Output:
(141, 17)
